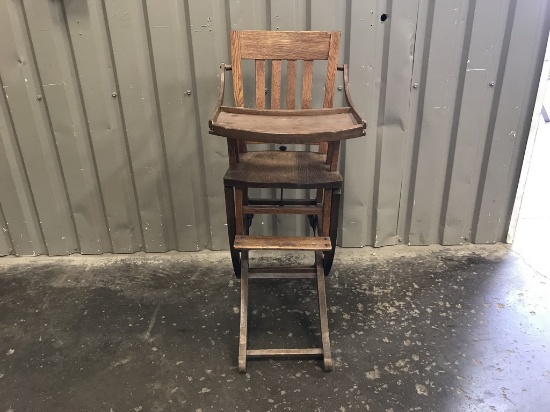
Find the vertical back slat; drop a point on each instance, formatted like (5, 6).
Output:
(276, 84)
(291, 84)
(260, 84)
(235, 39)
(331, 69)
(307, 79)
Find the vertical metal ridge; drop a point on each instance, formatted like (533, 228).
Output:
(456, 117)
(173, 242)
(342, 161)
(419, 117)
(30, 208)
(227, 18)
(86, 125)
(5, 235)
(268, 6)
(380, 123)
(346, 38)
(492, 118)
(50, 126)
(308, 15)
(404, 203)
(123, 121)
(205, 210)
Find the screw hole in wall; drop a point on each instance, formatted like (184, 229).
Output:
(383, 17)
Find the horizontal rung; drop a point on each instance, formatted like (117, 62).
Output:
(283, 210)
(272, 275)
(285, 202)
(284, 352)
(283, 272)
(282, 269)
(282, 243)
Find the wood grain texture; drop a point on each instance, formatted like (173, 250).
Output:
(243, 330)
(275, 275)
(231, 228)
(286, 210)
(238, 94)
(260, 84)
(284, 127)
(233, 153)
(283, 269)
(287, 202)
(307, 79)
(282, 243)
(332, 155)
(290, 84)
(292, 170)
(276, 84)
(330, 81)
(285, 45)
(327, 201)
(331, 69)
(321, 292)
(239, 223)
(285, 353)
(323, 147)
(333, 231)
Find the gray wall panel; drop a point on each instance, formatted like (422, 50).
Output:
(393, 119)
(509, 133)
(92, 47)
(5, 240)
(176, 106)
(447, 21)
(16, 200)
(127, 23)
(358, 155)
(29, 114)
(466, 157)
(104, 143)
(48, 33)
(207, 28)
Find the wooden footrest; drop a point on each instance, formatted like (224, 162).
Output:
(282, 243)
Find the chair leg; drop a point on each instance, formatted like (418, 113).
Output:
(243, 334)
(333, 230)
(231, 229)
(323, 351)
(321, 292)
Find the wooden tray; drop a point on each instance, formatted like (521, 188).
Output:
(304, 126)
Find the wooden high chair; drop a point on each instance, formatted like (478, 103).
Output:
(284, 169)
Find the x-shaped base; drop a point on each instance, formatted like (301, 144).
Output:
(306, 272)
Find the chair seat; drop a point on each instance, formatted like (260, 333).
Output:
(289, 170)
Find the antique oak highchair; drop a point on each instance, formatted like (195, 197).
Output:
(284, 169)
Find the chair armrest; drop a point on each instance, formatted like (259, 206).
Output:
(223, 68)
(349, 102)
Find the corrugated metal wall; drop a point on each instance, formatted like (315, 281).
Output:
(103, 119)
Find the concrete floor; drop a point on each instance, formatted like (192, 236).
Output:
(424, 328)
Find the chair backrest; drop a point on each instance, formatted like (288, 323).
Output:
(289, 46)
